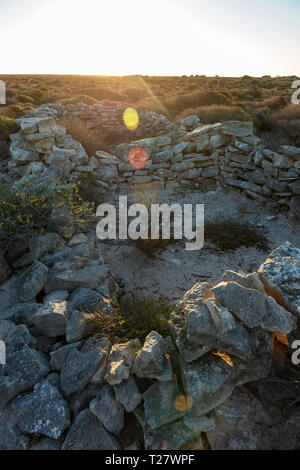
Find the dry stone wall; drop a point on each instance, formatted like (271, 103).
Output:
(223, 153)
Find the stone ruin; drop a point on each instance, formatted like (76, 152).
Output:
(187, 154)
(203, 386)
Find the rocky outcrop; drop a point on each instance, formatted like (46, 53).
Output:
(61, 389)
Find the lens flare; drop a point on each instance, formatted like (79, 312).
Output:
(183, 402)
(131, 119)
(138, 158)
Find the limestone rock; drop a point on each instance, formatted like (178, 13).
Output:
(5, 270)
(43, 411)
(237, 128)
(120, 361)
(87, 433)
(51, 319)
(280, 274)
(109, 412)
(80, 366)
(30, 283)
(162, 402)
(127, 393)
(23, 369)
(10, 436)
(254, 308)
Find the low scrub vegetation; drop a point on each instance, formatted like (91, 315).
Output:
(229, 233)
(27, 211)
(91, 140)
(265, 100)
(134, 316)
(7, 127)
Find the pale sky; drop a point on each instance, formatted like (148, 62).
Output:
(153, 37)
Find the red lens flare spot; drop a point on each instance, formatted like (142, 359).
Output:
(138, 158)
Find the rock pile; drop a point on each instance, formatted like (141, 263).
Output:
(227, 154)
(63, 389)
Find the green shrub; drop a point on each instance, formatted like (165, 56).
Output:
(216, 113)
(7, 126)
(25, 99)
(91, 140)
(26, 211)
(229, 233)
(135, 94)
(132, 317)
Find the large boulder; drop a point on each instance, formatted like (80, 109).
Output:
(43, 411)
(23, 369)
(120, 361)
(5, 270)
(30, 283)
(109, 412)
(128, 394)
(11, 437)
(87, 433)
(151, 360)
(280, 274)
(240, 424)
(80, 367)
(254, 308)
(51, 319)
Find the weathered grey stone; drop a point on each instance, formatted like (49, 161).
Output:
(150, 359)
(51, 319)
(239, 423)
(181, 166)
(10, 436)
(23, 369)
(20, 312)
(5, 270)
(199, 424)
(43, 411)
(30, 283)
(56, 296)
(42, 244)
(218, 140)
(162, 403)
(209, 324)
(120, 361)
(250, 281)
(87, 433)
(210, 172)
(280, 274)
(46, 444)
(59, 356)
(237, 128)
(281, 161)
(208, 382)
(90, 277)
(290, 151)
(109, 412)
(15, 336)
(78, 239)
(87, 300)
(127, 393)
(80, 366)
(295, 205)
(76, 326)
(254, 308)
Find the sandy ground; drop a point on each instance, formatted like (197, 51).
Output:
(175, 270)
